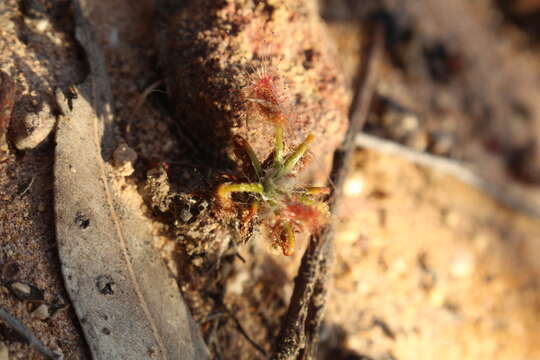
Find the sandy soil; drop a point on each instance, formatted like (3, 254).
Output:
(425, 266)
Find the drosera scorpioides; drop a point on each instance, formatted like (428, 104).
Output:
(274, 195)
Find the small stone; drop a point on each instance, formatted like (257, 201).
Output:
(42, 312)
(31, 129)
(186, 215)
(123, 159)
(21, 288)
(197, 261)
(26, 292)
(42, 25)
(410, 122)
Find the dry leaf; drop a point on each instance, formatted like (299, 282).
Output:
(126, 301)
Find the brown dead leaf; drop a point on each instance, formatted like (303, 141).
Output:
(128, 305)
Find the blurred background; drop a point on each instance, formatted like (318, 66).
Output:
(442, 257)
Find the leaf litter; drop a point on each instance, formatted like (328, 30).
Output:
(128, 304)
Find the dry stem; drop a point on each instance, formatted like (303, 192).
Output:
(300, 327)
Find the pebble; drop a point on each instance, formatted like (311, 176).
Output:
(42, 25)
(410, 122)
(26, 292)
(123, 159)
(32, 129)
(42, 312)
(21, 288)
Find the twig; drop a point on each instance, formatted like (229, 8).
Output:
(459, 170)
(227, 312)
(28, 187)
(212, 340)
(240, 328)
(140, 101)
(247, 337)
(22, 330)
(299, 333)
